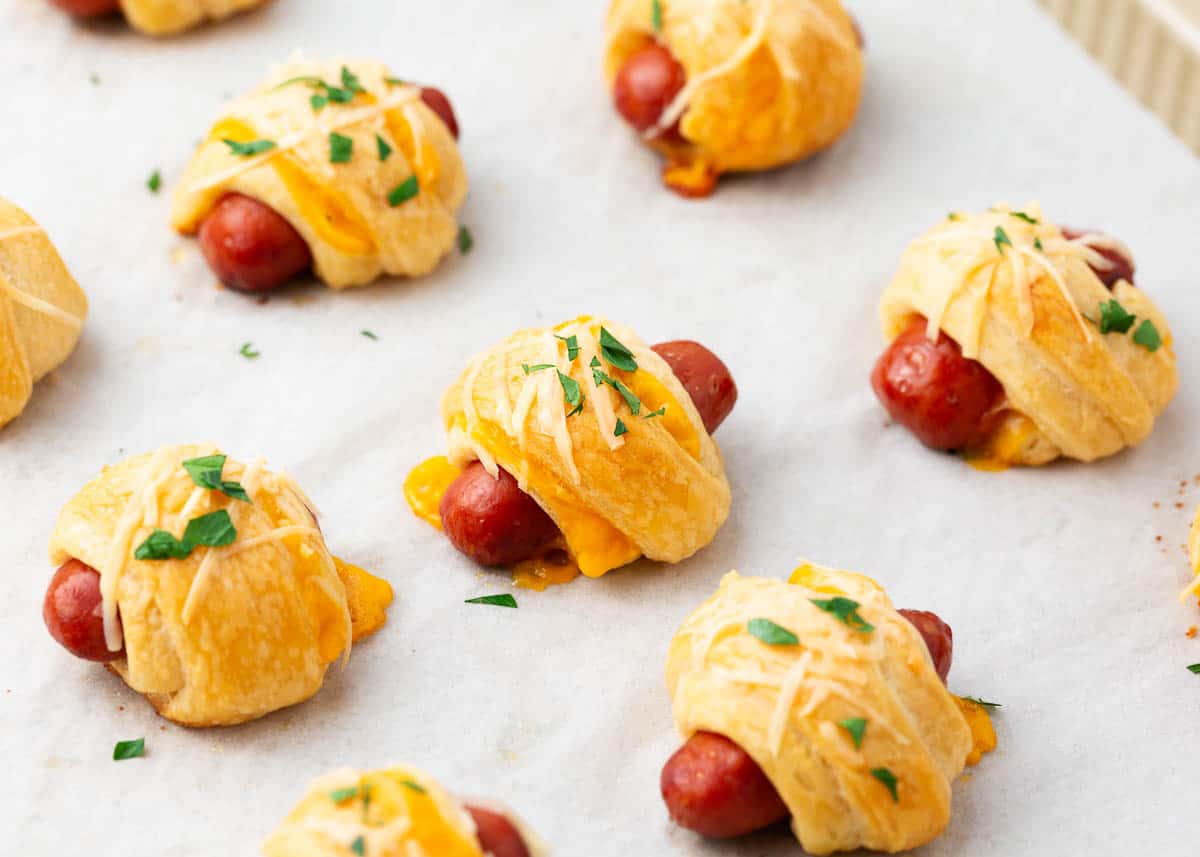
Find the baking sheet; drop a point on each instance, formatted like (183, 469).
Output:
(1062, 601)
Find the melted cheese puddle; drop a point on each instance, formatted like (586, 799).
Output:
(552, 569)
(425, 486)
(331, 215)
(983, 736)
(1005, 446)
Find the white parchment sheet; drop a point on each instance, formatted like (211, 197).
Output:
(1062, 601)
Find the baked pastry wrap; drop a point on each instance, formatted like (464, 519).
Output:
(395, 812)
(168, 17)
(785, 705)
(618, 484)
(389, 209)
(768, 81)
(42, 309)
(1022, 299)
(226, 634)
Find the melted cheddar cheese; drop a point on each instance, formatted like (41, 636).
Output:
(655, 396)
(983, 735)
(425, 486)
(367, 598)
(1006, 445)
(330, 214)
(551, 569)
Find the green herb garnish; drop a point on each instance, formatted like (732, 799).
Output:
(602, 377)
(619, 429)
(213, 530)
(385, 151)
(206, 472)
(366, 801)
(343, 795)
(845, 611)
(247, 351)
(404, 191)
(1020, 215)
(359, 846)
(465, 240)
(369, 334)
(246, 150)
(417, 787)
(1194, 668)
(154, 183)
(340, 148)
(1147, 336)
(1037, 244)
(888, 779)
(1001, 238)
(536, 367)
(395, 81)
(129, 749)
(1114, 318)
(505, 600)
(857, 727)
(952, 216)
(571, 391)
(656, 15)
(657, 413)
(338, 95)
(616, 353)
(772, 634)
(572, 343)
(983, 703)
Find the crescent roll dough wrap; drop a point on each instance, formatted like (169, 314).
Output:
(42, 309)
(389, 209)
(1022, 299)
(783, 704)
(395, 812)
(227, 633)
(168, 17)
(768, 81)
(618, 484)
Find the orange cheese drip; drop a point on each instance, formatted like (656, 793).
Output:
(983, 736)
(425, 486)
(551, 569)
(655, 395)
(330, 214)
(1002, 448)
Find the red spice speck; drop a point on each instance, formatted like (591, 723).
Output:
(1178, 505)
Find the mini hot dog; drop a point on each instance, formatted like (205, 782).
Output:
(663, 402)
(1016, 341)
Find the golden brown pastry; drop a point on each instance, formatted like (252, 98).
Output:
(42, 309)
(335, 164)
(816, 698)
(395, 812)
(720, 86)
(612, 460)
(1019, 341)
(161, 17)
(206, 585)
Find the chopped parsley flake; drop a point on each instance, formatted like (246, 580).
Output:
(952, 216)
(343, 795)
(601, 377)
(657, 413)
(505, 600)
(359, 846)
(1020, 215)
(1114, 318)
(369, 334)
(616, 353)
(571, 391)
(247, 150)
(129, 749)
(1194, 668)
(572, 343)
(1147, 336)
(845, 611)
(394, 81)
(404, 191)
(366, 801)
(344, 94)
(465, 240)
(857, 727)
(385, 151)
(206, 473)
(619, 429)
(536, 367)
(1001, 238)
(1037, 244)
(247, 351)
(983, 703)
(772, 634)
(213, 530)
(656, 15)
(154, 183)
(416, 787)
(340, 148)
(888, 779)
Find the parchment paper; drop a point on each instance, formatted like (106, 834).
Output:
(1062, 601)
